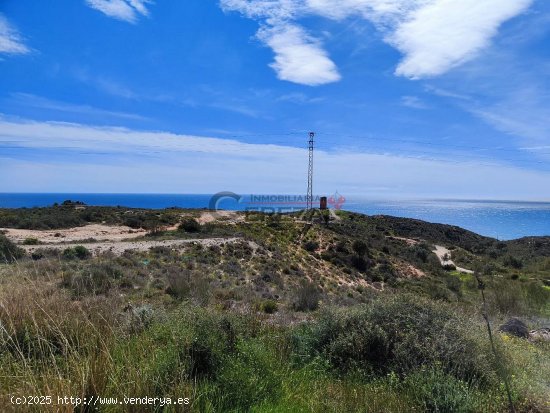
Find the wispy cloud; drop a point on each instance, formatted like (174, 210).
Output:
(30, 100)
(126, 10)
(103, 159)
(299, 98)
(527, 120)
(11, 41)
(434, 36)
(413, 102)
(506, 88)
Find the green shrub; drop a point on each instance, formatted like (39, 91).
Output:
(419, 253)
(37, 255)
(9, 252)
(307, 297)
(438, 392)
(249, 378)
(507, 298)
(31, 241)
(79, 252)
(189, 225)
(399, 334)
(179, 283)
(94, 279)
(187, 284)
(384, 272)
(153, 226)
(537, 297)
(453, 283)
(360, 247)
(269, 306)
(311, 246)
(449, 267)
(513, 262)
(359, 263)
(139, 317)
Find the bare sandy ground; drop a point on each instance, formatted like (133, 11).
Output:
(97, 231)
(225, 216)
(409, 241)
(118, 247)
(102, 232)
(442, 253)
(117, 238)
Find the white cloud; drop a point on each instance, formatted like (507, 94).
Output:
(135, 161)
(127, 10)
(434, 36)
(10, 39)
(446, 33)
(299, 58)
(378, 11)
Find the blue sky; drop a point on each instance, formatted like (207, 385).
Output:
(409, 98)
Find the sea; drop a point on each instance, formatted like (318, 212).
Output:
(503, 220)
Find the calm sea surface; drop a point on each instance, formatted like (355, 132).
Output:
(498, 219)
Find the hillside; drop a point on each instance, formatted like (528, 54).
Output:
(257, 310)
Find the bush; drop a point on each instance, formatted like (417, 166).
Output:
(185, 284)
(189, 225)
(79, 252)
(359, 263)
(9, 252)
(153, 226)
(249, 378)
(214, 339)
(513, 262)
(438, 392)
(31, 241)
(453, 283)
(133, 222)
(386, 271)
(269, 306)
(94, 279)
(507, 298)
(419, 253)
(307, 298)
(399, 334)
(360, 247)
(139, 317)
(311, 246)
(179, 283)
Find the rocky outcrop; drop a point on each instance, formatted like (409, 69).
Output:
(515, 327)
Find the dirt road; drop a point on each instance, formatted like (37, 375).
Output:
(444, 258)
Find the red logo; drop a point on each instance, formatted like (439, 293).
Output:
(336, 200)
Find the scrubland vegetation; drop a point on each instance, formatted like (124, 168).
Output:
(354, 316)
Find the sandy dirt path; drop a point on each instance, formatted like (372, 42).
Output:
(443, 253)
(119, 247)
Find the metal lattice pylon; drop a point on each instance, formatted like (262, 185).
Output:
(309, 196)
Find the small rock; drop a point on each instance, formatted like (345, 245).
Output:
(515, 327)
(541, 334)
